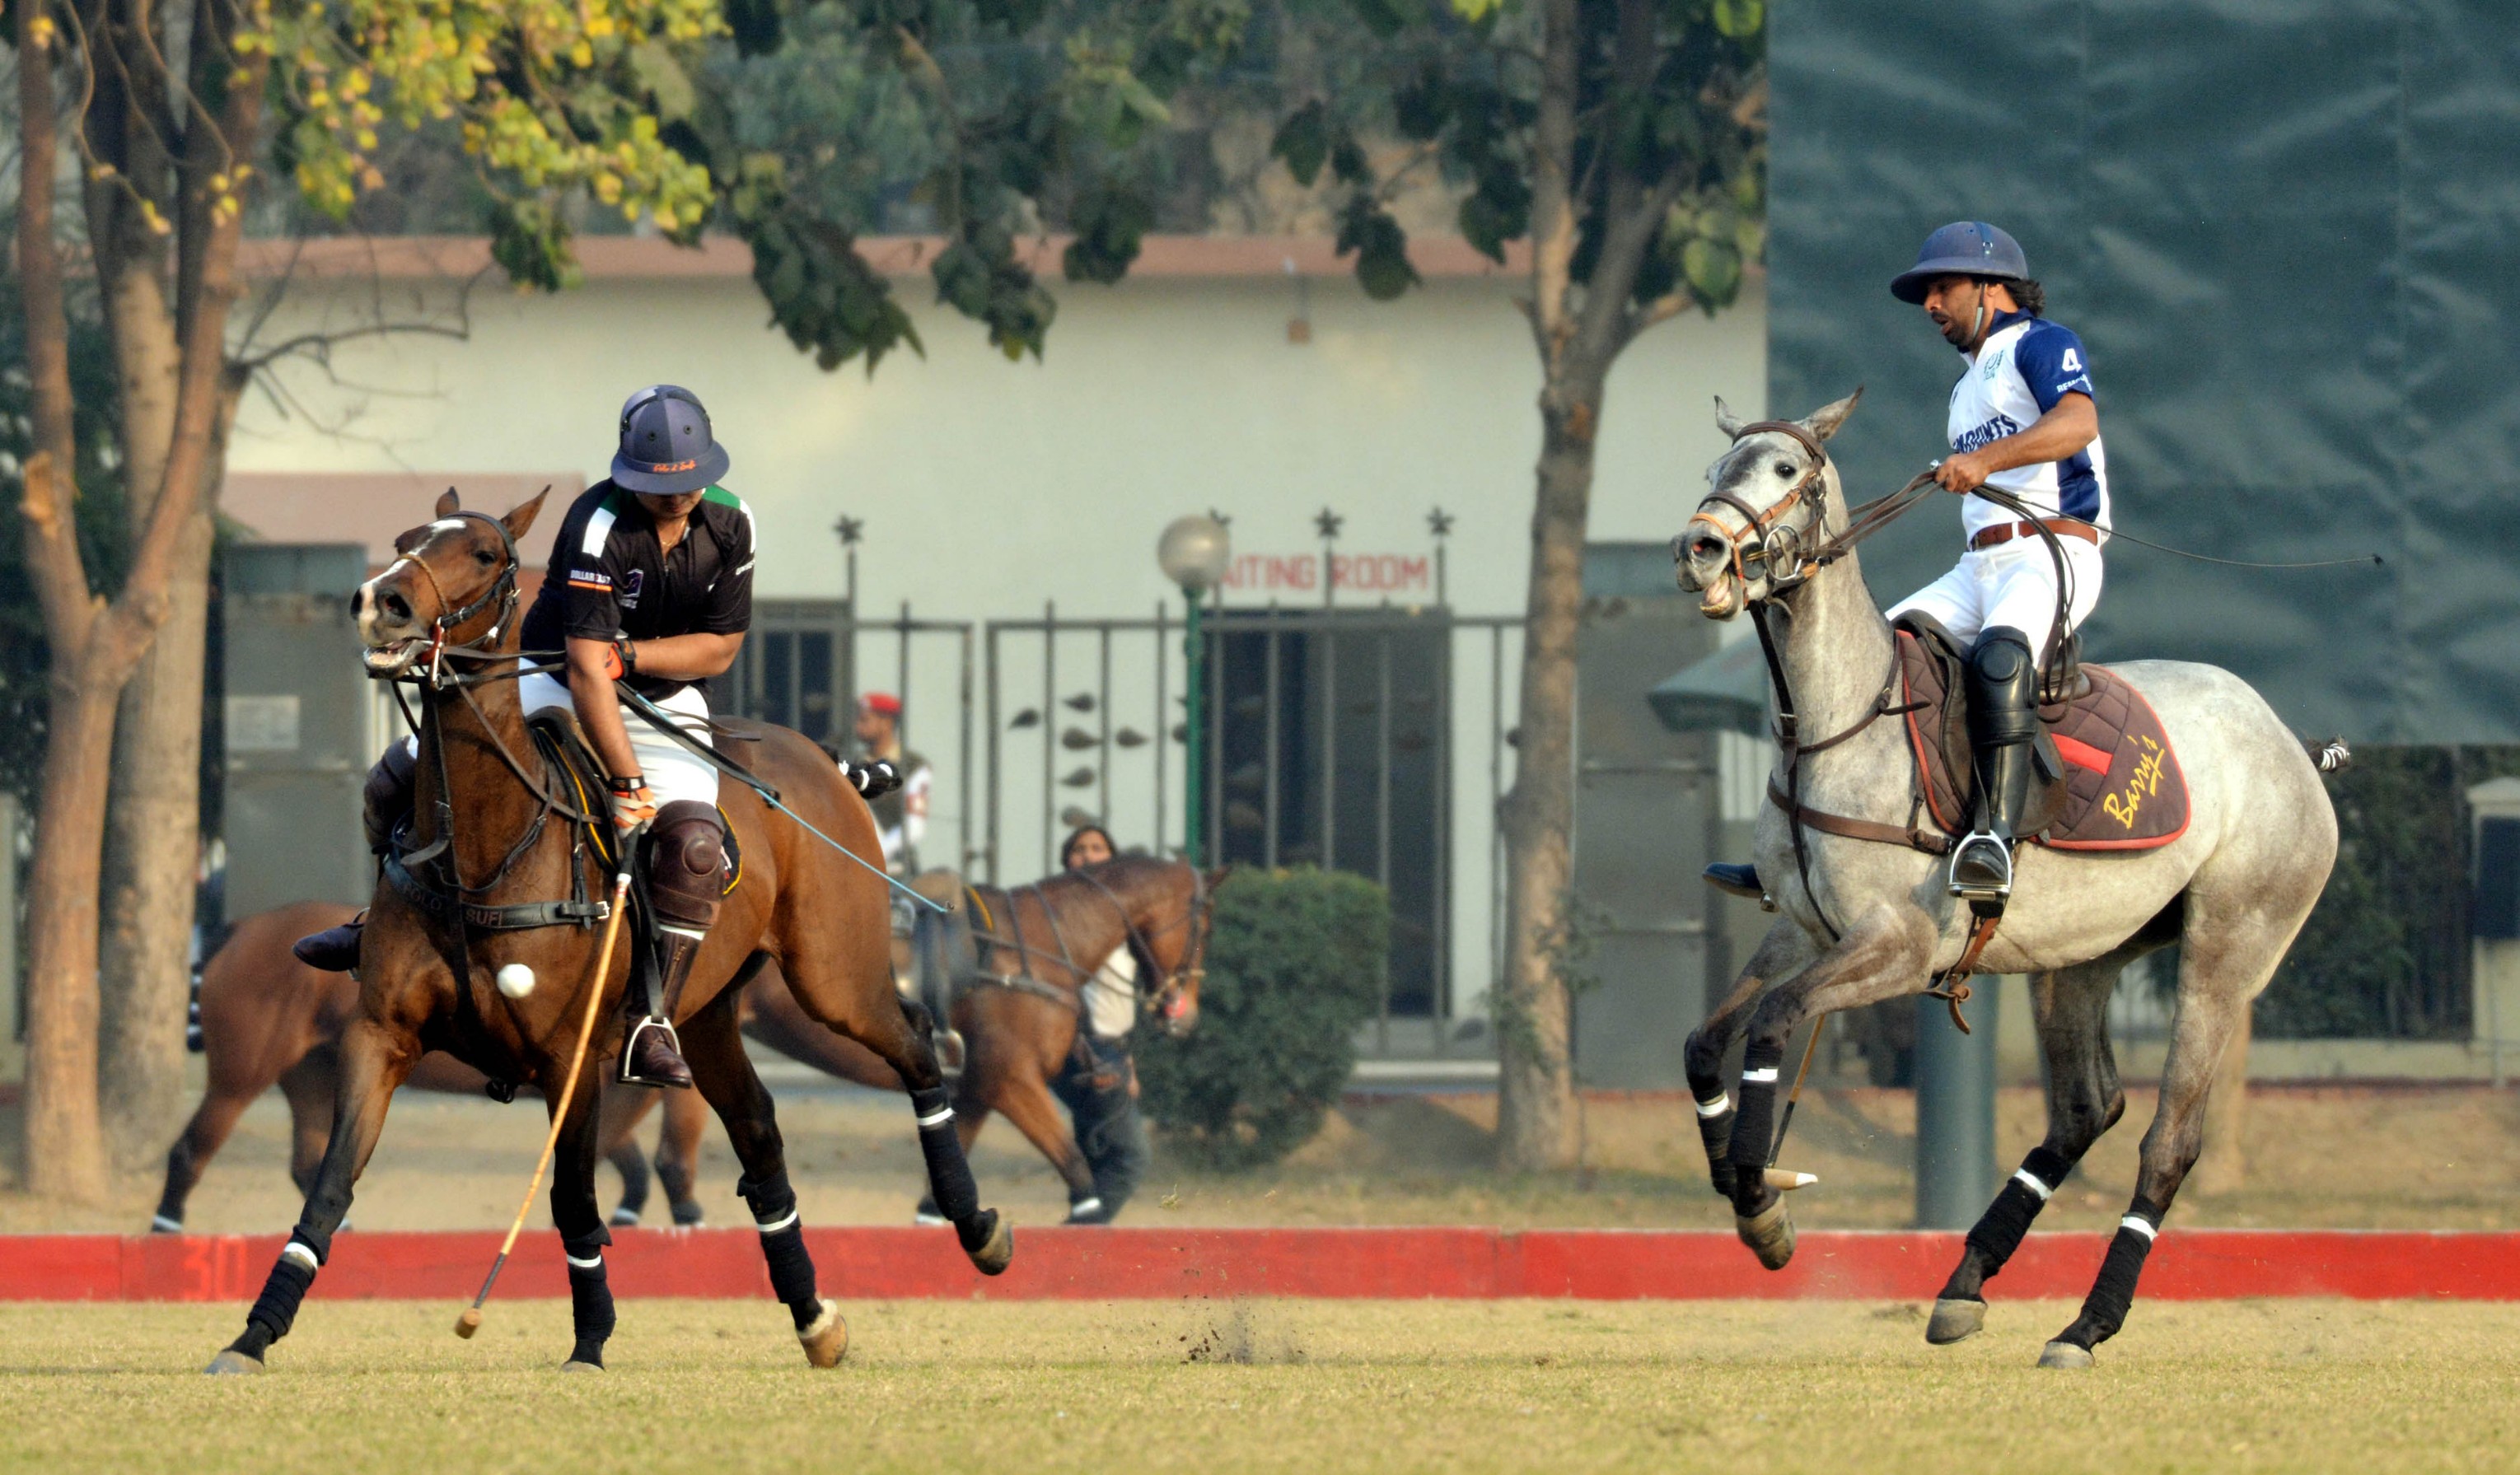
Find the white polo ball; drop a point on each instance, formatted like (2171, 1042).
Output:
(516, 980)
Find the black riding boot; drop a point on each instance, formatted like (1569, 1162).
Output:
(2003, 721)
(1737, 879)
(383, 803)
(686, 857)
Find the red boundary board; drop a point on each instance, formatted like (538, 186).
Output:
(1439, 1262)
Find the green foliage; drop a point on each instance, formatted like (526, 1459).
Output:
(1463, 83)
(1295, 966)
(2385, 954)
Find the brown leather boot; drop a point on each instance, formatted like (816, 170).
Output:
(653, 1055)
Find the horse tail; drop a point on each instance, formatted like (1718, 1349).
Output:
(2331, 756)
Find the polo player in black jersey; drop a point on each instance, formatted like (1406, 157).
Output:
(650, 583)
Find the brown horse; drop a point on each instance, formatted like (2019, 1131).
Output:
(1018, 1005)
(492, 888)
(268, 1019)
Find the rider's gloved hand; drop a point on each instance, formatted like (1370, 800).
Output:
(872, 779)
(633, 803)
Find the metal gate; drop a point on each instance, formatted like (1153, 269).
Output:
(1336, 736)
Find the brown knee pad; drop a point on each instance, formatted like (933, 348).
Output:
(686, 854)
(389, 794)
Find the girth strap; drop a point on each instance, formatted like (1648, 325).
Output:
(1025, 983)
(522, 917)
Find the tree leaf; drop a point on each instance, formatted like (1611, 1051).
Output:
(1713, 269)
(663, 75)
(1303, 141)
(1739, 18)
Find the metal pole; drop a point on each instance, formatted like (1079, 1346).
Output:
(1103, 707)
(1194, 764)
(989, 643)
(1212, 775)
(1329, 749)
(1956, 1168)
(1269, 829)
(901, 675)
(1163, 727)
(963, 781)
(1049, 728)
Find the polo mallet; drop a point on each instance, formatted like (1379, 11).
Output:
(470, 1322)
(1778, 1177)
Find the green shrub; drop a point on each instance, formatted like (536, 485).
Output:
(1295, 966)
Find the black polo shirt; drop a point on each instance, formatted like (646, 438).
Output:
(609, 578)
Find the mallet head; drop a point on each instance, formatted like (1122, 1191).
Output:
(469, 1322)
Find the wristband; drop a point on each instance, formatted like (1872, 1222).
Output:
(629, 655)
(629, 784)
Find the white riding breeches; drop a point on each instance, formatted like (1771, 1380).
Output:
(2011, 584)
(1112, 996)
(672, 770)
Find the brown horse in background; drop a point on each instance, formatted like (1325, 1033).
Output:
(268, 1019)
(1016, 1003)
(496, 855)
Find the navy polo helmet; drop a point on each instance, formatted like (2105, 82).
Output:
(1961, 249)
(666, 445)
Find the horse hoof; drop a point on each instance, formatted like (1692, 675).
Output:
(827, 1341)
(574, 1365)
(998, 1250)
(231, 1362)
(689, 1214)
(160, 1223)
(1770, 1235)
(624, 1219)
(2064, 1355)
(1956, 1320)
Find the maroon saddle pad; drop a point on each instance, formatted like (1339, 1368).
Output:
(2121, 787)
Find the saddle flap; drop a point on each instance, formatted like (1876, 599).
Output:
(2106, 777)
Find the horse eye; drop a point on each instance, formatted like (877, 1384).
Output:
(1785, 468)
(483, 556)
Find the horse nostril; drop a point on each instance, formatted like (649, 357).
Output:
(397, 607)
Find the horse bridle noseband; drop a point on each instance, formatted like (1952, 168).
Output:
(1755, 543)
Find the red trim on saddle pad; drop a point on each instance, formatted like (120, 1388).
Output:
(2082, 756)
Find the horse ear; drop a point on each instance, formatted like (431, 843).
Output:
(448, 504)
(1825, 419)
(522, 517)
(1216, 877)
(1726, 421)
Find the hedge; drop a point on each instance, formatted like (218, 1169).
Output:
(1295, 964)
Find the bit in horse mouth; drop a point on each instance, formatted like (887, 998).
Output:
(393, 655)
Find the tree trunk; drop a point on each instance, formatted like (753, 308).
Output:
(1537, 1123)
(152, 839)
(65, 1136)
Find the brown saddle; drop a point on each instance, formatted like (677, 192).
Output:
(556, 732)
(2107, 778)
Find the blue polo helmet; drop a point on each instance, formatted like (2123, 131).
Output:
(667, 447)
(1961, 249)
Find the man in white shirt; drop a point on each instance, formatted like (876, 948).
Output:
(2022, 419)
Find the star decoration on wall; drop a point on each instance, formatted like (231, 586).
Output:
(850, 529)
(1329, 522)
(1439, 522)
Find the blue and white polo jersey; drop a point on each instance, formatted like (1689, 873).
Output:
(2023, 368)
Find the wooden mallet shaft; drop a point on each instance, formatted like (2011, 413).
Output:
(470, 1322)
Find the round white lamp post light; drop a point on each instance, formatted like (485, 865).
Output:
(1194, 553)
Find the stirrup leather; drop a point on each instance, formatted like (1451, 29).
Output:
(1980, 846)
(630, 1048)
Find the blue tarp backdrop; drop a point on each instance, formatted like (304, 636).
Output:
(2288, 232)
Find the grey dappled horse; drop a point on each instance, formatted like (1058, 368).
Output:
(2231, 892)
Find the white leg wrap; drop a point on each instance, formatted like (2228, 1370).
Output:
(2030, 1180)
(292, 1250)
(937, 1118)
(1765, 1075)
(591, 1263)
(162, 1225)
(775, 1226)
(1717, 1104)
(2142, 1225)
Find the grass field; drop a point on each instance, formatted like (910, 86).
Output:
(1317, 1386)
(459, 1163)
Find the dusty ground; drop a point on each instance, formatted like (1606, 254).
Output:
(1314, 1386)
(2321, 1157)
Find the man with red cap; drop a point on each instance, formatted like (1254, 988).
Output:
(901, 816)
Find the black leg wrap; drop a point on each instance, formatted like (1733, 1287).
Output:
(1753, 1125)
(957, 1197)
(1997, 1231)
(1714, 1127)
(275, 1310)
(590, 1300)
(2104, 1310)
(783, 1245)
